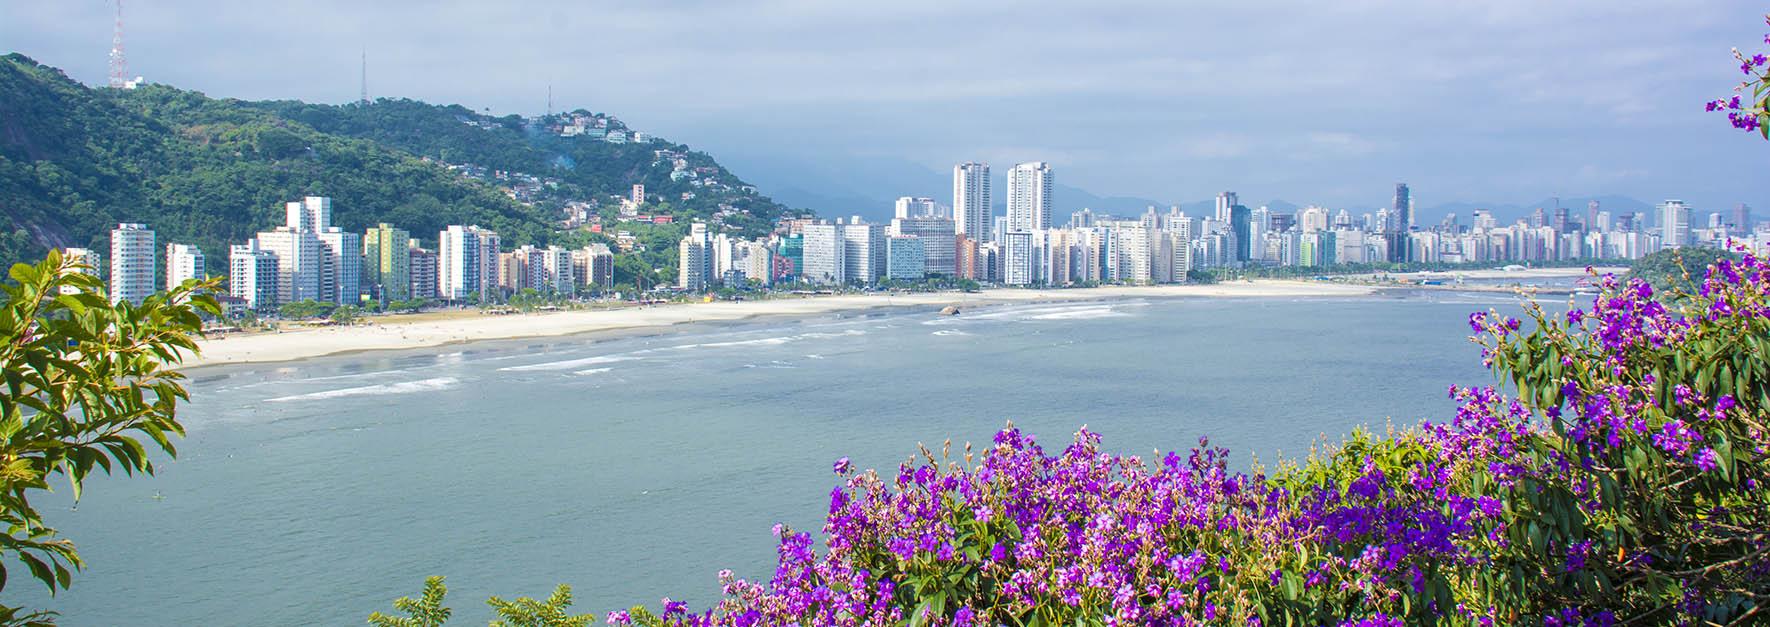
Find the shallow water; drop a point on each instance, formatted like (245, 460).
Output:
(636, 468)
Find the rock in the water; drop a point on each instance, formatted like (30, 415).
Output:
(950, 310)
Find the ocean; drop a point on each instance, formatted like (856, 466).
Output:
(636, 468)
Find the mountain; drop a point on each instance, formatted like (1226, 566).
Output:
(1506, 212)
(75, 160)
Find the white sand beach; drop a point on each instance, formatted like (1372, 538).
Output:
(393, 332)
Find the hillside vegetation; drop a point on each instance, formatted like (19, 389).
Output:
(76, 160)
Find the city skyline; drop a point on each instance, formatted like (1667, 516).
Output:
(1395, 91)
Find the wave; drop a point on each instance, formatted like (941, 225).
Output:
(404, 387)
(1081, 313)
(570, 363)
(590, 371)
(950, 332)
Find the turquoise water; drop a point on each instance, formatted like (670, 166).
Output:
(636, 468)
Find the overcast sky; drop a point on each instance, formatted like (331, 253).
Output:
(1327, 102)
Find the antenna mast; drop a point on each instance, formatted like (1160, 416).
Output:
(550, 100)
(365, 95)
(119, 65)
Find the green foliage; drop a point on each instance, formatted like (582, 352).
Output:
(527, 612)
(425, 611)
(307, 309)
(1677, 271)
(86, 381)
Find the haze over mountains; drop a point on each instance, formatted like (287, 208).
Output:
(867, 186)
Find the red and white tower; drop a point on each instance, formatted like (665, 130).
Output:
(119, 65)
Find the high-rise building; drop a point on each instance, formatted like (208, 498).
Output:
(638, 195)
(132, 263)
(387, 263)
(1029, 197)
(971, 201)
(937, 240)
(594, 265)
(824, 251)
(87, 261)
(424, 272)
(908, 207)
(1017, 252)
(252, 276)
(1741, 218)
(1401, 210)
(1225, 200)
(694, 259)
(313, 213)
(299, 263)
(1241, 224)
(1674, 224)
(905, 259)
(863, 252)
(183, 263)
(341, 269)
(467, 263)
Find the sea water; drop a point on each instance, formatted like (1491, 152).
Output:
(636, 468)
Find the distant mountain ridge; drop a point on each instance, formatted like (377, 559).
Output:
(867, 186)
(74, 161)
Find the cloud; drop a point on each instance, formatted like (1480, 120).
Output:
(1155, 98)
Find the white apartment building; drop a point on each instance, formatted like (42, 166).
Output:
(1029, 197)
(341, 272)
(908, 207)
(132, 263)
(694, 259)
(824, 254)
(1674, 221)
(183, 263)
(252, 276)
(85, 257)
(466, 263)
(938, 241)
(971, 201)
(863, 251)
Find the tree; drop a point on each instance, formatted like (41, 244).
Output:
(425, 611)
(86, 381)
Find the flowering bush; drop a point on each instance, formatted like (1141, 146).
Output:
(1621, 481)
(1752, 116)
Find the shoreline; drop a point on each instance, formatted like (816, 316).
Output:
(395, 334)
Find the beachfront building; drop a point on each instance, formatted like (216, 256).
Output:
(341, 266)
(184, 262)
(863, 251)
(1029, 197)
(971, 201)
(936, 234)
(424, 268)
(594, 265)
(905, 259)
(132, 263)
(694, 259)
(467, 263)
(252, 276)
(387, 263)
(823, 251)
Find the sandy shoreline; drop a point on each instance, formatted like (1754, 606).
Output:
(393, 333)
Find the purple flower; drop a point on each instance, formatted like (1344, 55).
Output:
(1707, 460)
(841, 466)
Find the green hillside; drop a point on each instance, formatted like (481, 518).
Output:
(75, 160)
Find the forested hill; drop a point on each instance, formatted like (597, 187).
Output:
(76, 160)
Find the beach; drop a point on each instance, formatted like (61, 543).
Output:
(403, 332)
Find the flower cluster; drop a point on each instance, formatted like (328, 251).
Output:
(1752, 115)
(1621, 483)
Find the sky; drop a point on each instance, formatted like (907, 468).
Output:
(1313, 102)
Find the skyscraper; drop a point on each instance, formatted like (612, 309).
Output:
(299, 262)
(863, 251)
(1674, 224)
(252, 276)
(1402, 208)
(1225, 201)
(87, 258)
(823, 253)
(183, 262)
(694, 259)
(467, 263)
(1741, 218)
(341, 266)
(387, 263)
(313, 213)
(909, 207)
(971, 201)
(424, 269)
(1029, 197)
(132, 263)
